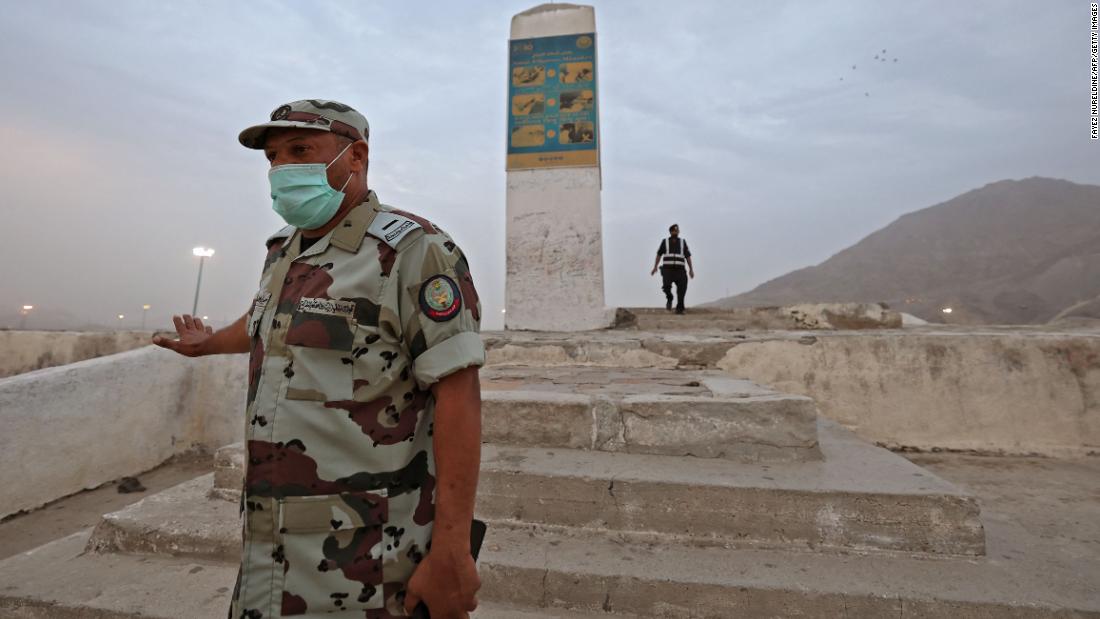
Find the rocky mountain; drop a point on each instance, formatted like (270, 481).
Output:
(1012, 252)
(1085, 312)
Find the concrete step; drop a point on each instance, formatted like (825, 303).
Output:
(859, 497)
(806, 316)
(692, 413)
(61, 581)
(618, 348)
(528, 575)
(183, 521)
(694, 320)
(600, 573)
(702, 414)
(229, 469)
(492, 610)
(228, 472)
(651, 411)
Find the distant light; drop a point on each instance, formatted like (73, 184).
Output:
(27, 308)
(503, 311)
(947, 310)
(204, 252)
(206, 318)
(121, 316)
(145, 307)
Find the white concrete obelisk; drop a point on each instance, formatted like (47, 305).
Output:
(554, 229)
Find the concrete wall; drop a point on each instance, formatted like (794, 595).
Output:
(995, 392)
(218, 390)
(25, 351)
(78, 426)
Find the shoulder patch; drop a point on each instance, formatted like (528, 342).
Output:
(281, 234)
(440, 299)
(391, 227)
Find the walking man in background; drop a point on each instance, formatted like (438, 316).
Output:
(673, 256)
(363, 422)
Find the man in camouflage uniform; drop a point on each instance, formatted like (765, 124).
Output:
(363, 414)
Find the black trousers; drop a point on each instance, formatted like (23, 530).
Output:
(678, 276)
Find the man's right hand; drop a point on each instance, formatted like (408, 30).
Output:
(654, 271)
(193, 336)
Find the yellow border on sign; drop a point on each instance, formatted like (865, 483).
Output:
(562, 159)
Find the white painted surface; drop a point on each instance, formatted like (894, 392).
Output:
(554, 228)
(26, 351)
(1004, 393)
(552, 19)
(555, 251)
(218, 389)
(78, 426)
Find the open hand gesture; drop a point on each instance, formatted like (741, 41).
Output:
(192, 336)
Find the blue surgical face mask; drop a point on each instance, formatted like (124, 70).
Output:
(301, 195)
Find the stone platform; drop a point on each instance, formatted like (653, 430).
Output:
(539, 571)
(662, 490)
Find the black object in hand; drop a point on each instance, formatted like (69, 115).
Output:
(477, 536)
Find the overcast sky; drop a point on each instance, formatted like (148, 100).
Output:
(119, 123)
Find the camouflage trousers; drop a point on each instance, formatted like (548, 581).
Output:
(337, 556)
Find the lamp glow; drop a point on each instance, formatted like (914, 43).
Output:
(203, 252)
(23, 313)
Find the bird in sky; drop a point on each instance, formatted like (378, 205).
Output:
(881, 57)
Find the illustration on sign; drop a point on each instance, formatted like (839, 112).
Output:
(553, 118)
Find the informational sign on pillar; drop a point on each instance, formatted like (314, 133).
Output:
(555, 243)
(553, 118)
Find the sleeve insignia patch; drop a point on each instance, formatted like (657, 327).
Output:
(440, 299)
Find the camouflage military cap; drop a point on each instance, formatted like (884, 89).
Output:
(310, 114)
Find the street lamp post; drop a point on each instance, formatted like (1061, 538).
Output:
(203, 253)
(23, 316)
(120, 318)
(144, 311)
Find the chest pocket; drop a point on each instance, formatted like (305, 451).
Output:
(319, 342)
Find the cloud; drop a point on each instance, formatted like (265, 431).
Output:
(727, 117)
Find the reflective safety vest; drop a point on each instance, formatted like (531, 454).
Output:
(674, 258)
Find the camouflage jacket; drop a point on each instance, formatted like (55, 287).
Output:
(339, 483)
